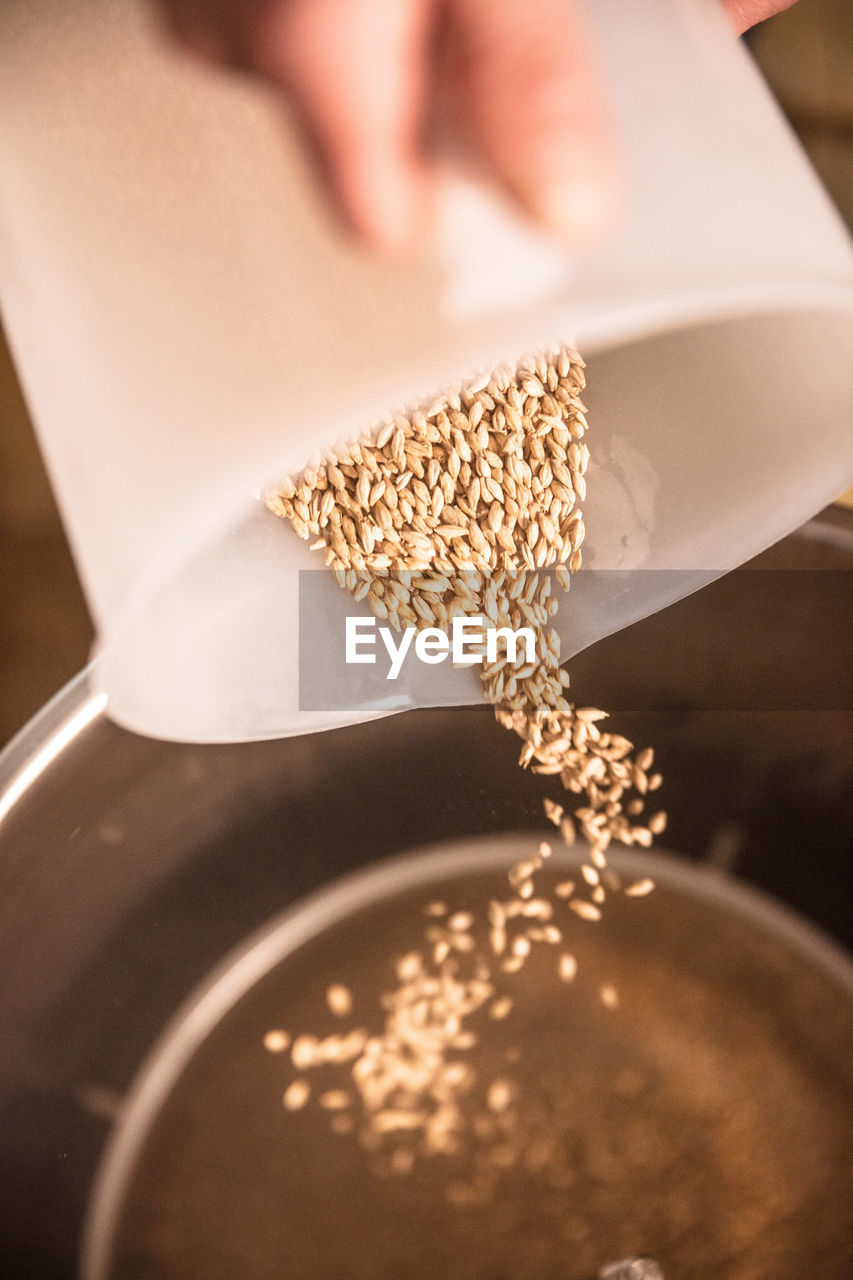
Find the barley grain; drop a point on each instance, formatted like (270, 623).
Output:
(276, 1041)
(640, 888)
(304, 1052)
(334, 1100)
(339, 999)
(499, 1095)
(586, 910)
(501, 1008)
(553, 812)
(296, 1095)
(609, 996)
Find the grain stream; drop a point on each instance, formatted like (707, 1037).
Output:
(460, 508)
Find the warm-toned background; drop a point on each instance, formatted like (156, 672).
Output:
(45, 632)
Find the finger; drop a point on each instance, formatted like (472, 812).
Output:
(357, 70)
(536, 108)
(745, 13)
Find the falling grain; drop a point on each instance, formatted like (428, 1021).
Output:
(609, 996)
(296, 1095)
(640, 888)
(276, 1041)
(339, 999)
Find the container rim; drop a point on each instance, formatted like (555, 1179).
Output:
(42, 739)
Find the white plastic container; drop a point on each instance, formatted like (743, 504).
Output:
(188, 322)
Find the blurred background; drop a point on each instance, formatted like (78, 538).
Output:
(806, 55)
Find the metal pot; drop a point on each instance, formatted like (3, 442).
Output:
(132, 868)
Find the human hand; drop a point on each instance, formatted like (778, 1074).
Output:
(745, 13)
(519, 76)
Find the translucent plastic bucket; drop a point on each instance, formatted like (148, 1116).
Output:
(188, 322)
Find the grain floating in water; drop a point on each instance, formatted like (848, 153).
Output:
(639, 889)
(609, 996)
(276, 1041)
(334, 1100)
